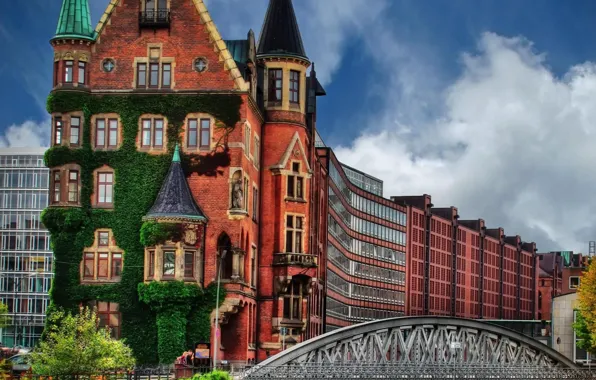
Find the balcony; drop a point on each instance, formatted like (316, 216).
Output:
(155, 19)
(296, 259)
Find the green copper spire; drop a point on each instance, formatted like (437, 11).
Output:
(176, 156)
(75, 21)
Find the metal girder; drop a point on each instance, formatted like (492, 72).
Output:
(416, 342)
(304, 371)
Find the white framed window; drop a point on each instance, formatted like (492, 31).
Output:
(574, 282)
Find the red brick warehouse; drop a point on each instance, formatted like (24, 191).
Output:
(306, 244)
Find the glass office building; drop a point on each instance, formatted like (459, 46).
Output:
(25, 256)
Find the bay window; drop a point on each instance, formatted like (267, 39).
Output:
(102, 262)
(169, 263)
(293, 301)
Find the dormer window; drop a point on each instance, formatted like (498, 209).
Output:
(155, 13)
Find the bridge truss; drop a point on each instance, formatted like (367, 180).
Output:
(420, 347)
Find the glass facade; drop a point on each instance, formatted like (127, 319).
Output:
(363, 181)
(374, 281)
(25, 256)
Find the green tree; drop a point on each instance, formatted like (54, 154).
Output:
(585, 325)
(75, 345)
(4, 317)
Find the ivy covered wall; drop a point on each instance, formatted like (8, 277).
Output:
(138, 178)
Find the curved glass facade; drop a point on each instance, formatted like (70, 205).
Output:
(363, 204)
(370, 260)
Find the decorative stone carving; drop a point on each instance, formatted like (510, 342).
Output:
(68, 56)
(237, 195)
(190, 236)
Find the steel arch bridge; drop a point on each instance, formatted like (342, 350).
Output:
(419, 347)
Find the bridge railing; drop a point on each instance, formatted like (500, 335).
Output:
(400, 371)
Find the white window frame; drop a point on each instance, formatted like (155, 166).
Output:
(578, 282)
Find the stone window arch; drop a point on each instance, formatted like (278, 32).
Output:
(102, 261)
(65, 185)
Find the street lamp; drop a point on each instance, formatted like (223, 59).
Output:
(221, 258)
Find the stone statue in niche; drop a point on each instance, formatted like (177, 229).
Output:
(237, 195)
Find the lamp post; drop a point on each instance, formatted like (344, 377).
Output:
(221, 258)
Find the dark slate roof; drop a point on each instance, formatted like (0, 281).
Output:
(175, 199)
(75, 21)
(280, 34)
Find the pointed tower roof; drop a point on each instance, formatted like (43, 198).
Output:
(280, 35)
(175, 200)
(75, 21)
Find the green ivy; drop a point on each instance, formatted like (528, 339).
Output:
(153, 233)
(138, 177)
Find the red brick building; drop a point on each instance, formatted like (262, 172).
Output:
(306, 244)
(560, 273)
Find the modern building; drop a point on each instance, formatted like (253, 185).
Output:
(403, 256)
(365, 276)
(181, 162)
(25, 256)
(564, 338)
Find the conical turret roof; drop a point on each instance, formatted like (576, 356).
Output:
(175, 200)
(75, 21)
(280, 34)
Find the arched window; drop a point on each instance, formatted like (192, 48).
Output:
(224, 247)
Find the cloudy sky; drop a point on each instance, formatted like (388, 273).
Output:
(486, 105)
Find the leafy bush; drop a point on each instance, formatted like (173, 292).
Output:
(75, 345)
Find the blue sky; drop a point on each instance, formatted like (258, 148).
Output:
(486, 105)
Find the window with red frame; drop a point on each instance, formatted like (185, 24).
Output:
(56, 178)
(275, 85)
(294, 86)
(73, 186)
(189, 264)
(58, 131)
(109, 317)
(68, 71)
(75, 130)
(82, 73)
(205, 133)
(193, 133)
(152, 133)
(151, 263)
(169, 263)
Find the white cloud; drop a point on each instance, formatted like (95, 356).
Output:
(326, 26)
(513, 144)
(27, 135)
